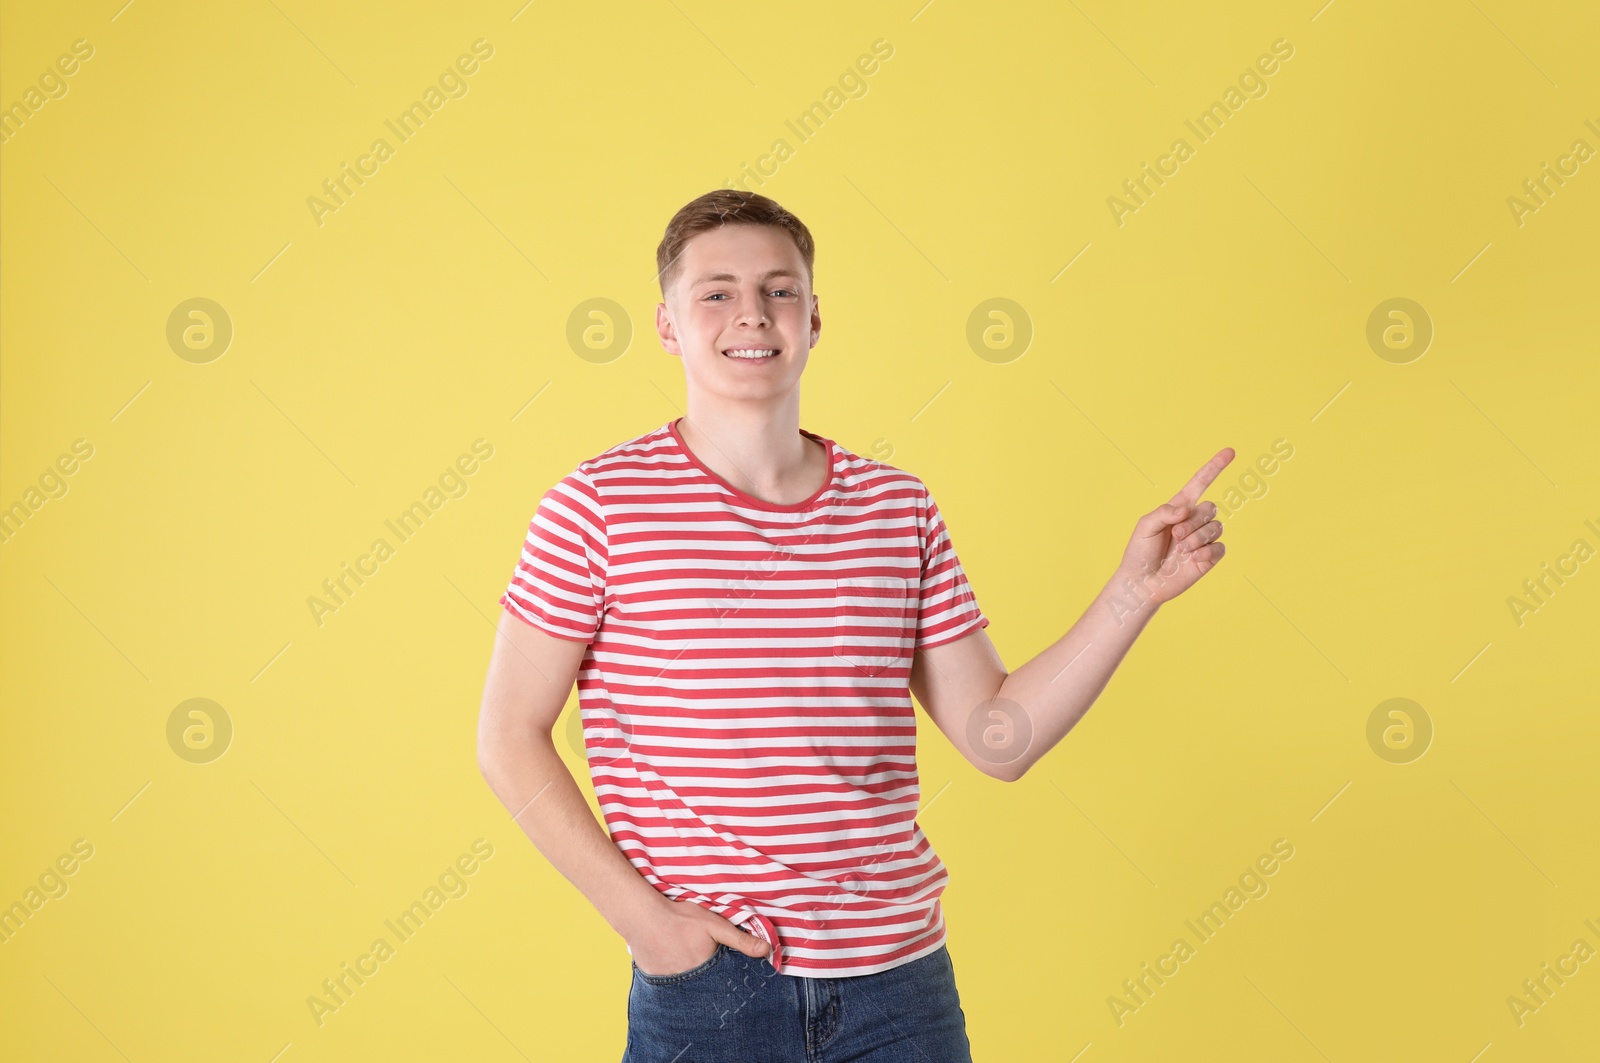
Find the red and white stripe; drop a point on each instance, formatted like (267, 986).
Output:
(750, 732)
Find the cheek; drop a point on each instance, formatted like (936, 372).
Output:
(706, 320)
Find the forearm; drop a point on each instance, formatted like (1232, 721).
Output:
(1057, 687)
(530, 779)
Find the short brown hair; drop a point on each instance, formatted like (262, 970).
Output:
(726, 206)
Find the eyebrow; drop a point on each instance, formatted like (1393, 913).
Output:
(768, 275)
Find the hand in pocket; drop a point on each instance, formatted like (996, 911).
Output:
(687, 938)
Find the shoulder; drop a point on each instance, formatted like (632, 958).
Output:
(623, 460)
(591, 490)
(876, 476)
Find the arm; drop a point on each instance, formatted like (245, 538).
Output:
(1003, 723)
(530, 675)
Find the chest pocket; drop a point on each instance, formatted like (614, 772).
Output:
(874, 620)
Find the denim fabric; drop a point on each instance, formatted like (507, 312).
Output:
(735, 1008)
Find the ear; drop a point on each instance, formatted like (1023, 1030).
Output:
(667, 331)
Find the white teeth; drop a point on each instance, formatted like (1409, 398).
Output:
(749, 354)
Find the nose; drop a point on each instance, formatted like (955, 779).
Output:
(755, 310)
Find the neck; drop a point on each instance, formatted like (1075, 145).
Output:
(761, 454)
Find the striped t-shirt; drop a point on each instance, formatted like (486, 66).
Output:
(745, 694)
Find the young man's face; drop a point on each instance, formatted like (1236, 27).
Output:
(741, 286)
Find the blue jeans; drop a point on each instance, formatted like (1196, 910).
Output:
(737, 1009)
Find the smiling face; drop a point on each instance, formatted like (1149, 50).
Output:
(740, 287)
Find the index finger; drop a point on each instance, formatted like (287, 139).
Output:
(1202, 479)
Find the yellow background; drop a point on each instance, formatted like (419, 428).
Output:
(432, 309)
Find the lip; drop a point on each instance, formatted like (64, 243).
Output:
(751, 347)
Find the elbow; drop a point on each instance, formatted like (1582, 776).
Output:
(1003, 772)
(491, 755)
(1012, 770)
(488, 765)
(498, 749)
(999, 762)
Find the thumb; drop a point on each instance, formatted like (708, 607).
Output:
(751, 945)
(1165, 516)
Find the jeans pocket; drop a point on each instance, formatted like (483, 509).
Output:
(681, 976)
(872, 622)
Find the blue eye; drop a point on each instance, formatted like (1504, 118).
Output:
(775, 291)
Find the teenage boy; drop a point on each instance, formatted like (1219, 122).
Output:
(746, 608)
